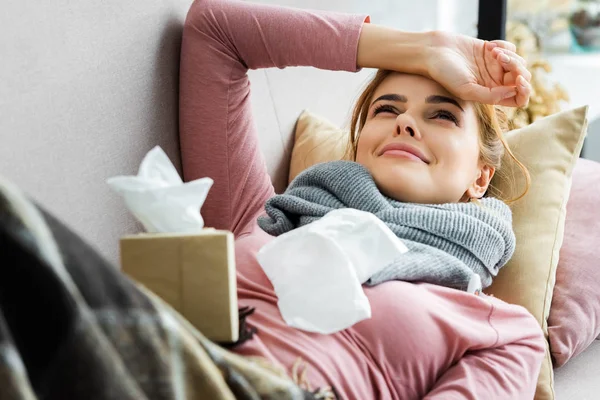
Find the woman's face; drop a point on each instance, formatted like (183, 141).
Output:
(421, 144)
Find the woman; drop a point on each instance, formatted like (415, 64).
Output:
(423, 340)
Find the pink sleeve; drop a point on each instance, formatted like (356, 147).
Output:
(507, 370)
(218, 137)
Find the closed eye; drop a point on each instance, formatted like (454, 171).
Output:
(447, 115)
(381, 108)
(441, 114)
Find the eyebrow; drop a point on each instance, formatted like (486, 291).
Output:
(437, 99)
(391, 97)
(434, 99)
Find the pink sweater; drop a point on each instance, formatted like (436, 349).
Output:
(423, 341)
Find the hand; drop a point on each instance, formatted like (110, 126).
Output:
(476, 70)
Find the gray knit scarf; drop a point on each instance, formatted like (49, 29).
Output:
(448, 243)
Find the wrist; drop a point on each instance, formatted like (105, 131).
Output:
(413, 51)
(387, 48)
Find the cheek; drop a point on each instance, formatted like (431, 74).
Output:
(367, 141)
(460, 151)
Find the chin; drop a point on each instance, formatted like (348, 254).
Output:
(404, 185)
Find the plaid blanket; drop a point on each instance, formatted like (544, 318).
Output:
(73, 327)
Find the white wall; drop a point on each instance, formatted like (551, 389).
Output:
(415, 15)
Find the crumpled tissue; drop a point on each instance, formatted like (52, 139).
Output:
(317, 270)
(159, 199)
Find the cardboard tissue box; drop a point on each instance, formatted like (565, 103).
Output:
(194, 273)
(189, 267)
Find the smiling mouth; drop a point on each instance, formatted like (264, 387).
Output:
(402, 154)
(403, 151)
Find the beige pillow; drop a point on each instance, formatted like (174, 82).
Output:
(316, 140)
(549, 148)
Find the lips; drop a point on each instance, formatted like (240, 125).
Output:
(403, 150)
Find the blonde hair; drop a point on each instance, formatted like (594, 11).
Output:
(492, 123)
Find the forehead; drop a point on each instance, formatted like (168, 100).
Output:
(411, 86)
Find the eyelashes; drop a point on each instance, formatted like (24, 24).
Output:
(441, 114)
(384, 108)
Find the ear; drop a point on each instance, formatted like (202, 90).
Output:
(481, 183)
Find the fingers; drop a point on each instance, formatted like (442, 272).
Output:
(503, 44)
(497, 95)
(509, 72)
(521, 98)
(509, 49)
(511, 62)
(523, 92)
(497, 51)
(510, 96)
(517, 66)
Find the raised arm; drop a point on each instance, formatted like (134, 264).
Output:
(221, 40)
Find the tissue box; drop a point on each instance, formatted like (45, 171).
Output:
(194, 273)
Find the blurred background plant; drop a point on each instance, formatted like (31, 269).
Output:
(529, 25)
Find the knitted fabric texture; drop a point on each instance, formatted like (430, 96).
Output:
(448, 243)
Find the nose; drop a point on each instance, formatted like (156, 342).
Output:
(406, 125)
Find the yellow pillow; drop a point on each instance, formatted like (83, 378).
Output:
(549, 148)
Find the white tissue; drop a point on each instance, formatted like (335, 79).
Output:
(474, 285)
(318, 270)
(159, 199)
